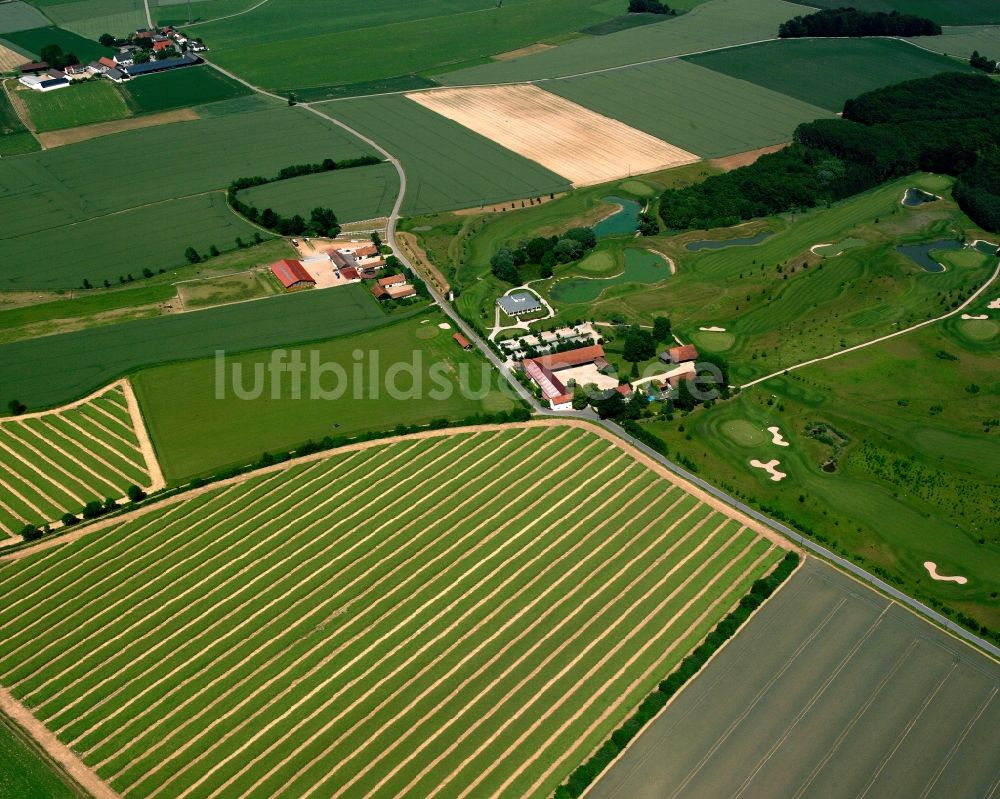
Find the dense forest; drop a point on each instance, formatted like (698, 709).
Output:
(851, 22)
(946, 124)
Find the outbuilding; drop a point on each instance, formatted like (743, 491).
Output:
(462, 341)
(519, 303)
(291, 274)
(681, 354)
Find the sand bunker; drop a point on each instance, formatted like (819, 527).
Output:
(573, 141)
(444, 326)
(713, 329)
(979, 316)
(769, 467)
(994, 304)
(931, 567)
(776, 437)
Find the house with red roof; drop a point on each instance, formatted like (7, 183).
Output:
(462, 341)
(291, 274)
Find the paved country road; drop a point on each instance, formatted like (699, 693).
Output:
(846, 565)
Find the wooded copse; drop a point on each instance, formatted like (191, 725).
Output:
(834, 22)
(545, 251)
(940, 124)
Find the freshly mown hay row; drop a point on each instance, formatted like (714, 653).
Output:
(567, 138)
(55, 462)
(455, 613)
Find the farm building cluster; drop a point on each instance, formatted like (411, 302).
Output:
(146, 52)
(347, 263)
(557, 373)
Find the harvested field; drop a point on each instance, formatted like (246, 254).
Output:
(831, 690)
(572, 141)
(58, 138)
(9, 59)
(521, 51)
(288, 634)
(57, 461)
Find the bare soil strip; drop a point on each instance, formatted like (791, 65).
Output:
(460, 641)
(105, 485)
(56, 434)
(108, 429)
(58, 138)
(103, 444)
(9, 488)
(45, 478)
(522, 51)
(399, 622)
(731, 162)
(575, 142)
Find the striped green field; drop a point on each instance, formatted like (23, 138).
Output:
(464, 614)
(56, 462)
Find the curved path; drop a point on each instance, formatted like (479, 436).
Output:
(854, 570)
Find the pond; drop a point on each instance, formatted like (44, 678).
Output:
(718, 244)
(987, 247)
(920, 254)
(624, 220)
(641, 266)
(914, 197)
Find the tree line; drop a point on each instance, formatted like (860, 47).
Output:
(321, 222)
(544, 251)
(987, 65)
(650, 7)
(834, 22)
(944, 124)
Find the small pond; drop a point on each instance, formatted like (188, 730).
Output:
(987, 247)
(624, 220)
(641, 266)
(914, 197)
(718, 244)
(920, 254)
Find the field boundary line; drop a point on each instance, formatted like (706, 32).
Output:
(613, 653)
(70, 457)
(544, 663)
(712, 608)
(482, 600)
(344, 644)
(94, 395)
(227, 16)
(546, 613)
(233, 630)
(157, 480)
(54, 748)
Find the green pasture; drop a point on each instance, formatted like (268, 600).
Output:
(34, 39)
(960, 42)
(917, 459)
(114, 246)
(229, 288)
(197, 431)
(170, 12)
(804, 68)
(943, 12)
(19, 16)
(298, 44)
(98, 176)
(53, 370)
(298, 596)
(717, 23)
(713, 341)
(26, 772)
(29, 315)
(14, 137)
(60, 461)
(353, 194)
(697, 109)
(78, 104)
(181, 88)
(91, 18)
(447, 166)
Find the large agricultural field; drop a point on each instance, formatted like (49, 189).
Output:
(19, 16)
(831, 690)
(944, 12)
(700, 110)
(482, 642)
(54, 370)
(26, 772)
(33, 40)
(447, 166)
(181, 88)
(87, 103)
(14, 136)
(409, 373)
(91, 18)
(353, 194)
(801, 68)
(565, 137)
(56, 462)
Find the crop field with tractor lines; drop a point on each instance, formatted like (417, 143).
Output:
(57, 461)
(295, 634)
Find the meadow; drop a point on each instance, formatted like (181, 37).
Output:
(33, 40)
(116, 245)
(181, 88)
(79, 104)
(701, 111)
(14, 136)
(717, 23)
(19, 16)
(295, 634)
(53, 370)
(91, 18)
(26, 772)
(291, 44)
(943, 12)
(196, 431)
(447, 166)
(353, 194)
(801, 68)
(961, 42)
(57, 462)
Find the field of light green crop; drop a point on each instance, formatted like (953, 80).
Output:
(78, 104)
(91, 18)
(57, 462)
(425, 618)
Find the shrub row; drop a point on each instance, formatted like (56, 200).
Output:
(586, 773)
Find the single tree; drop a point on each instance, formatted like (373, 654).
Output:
(192, 255)
(16, 407)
